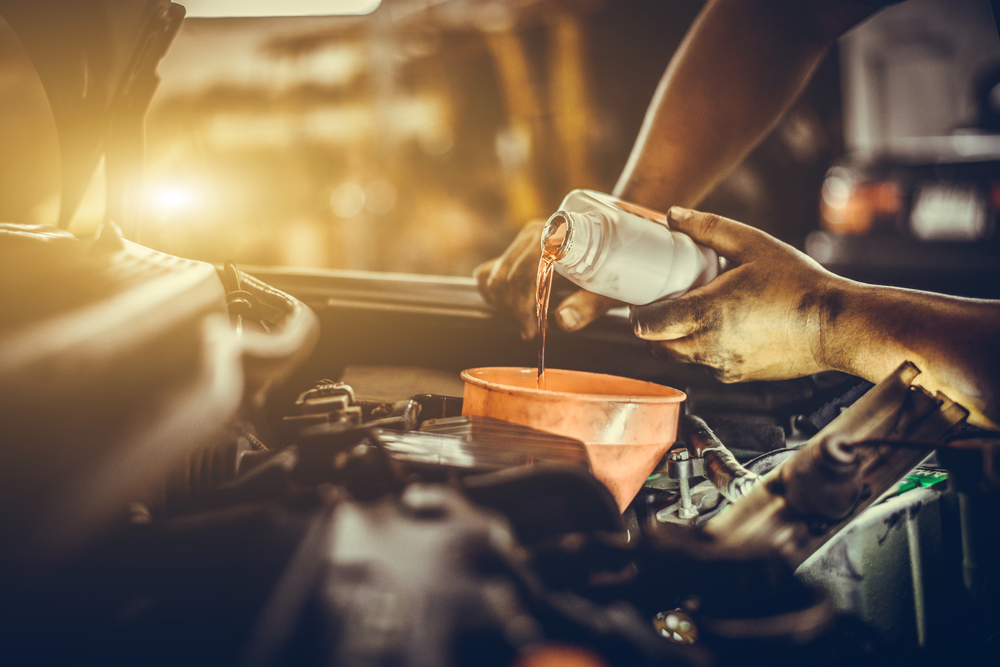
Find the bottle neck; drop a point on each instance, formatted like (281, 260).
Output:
(574, 239)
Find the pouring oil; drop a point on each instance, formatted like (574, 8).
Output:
(551, 246)
(624, 251)
(617, 249)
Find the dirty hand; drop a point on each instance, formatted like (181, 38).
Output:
(761, 320)
(509, 282)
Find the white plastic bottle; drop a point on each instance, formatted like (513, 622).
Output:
(624, 251)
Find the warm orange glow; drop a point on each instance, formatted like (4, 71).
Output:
(847, 207)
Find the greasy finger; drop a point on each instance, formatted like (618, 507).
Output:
(528, 240)
(669, 319)
(520, 291)
(529, 237)
(482, 275)
(580, 309)
(731, 239)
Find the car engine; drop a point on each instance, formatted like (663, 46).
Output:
(253, 466)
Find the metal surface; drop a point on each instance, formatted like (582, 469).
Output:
(888, 566)
(790, 513)
(719, 465)
(677, 469)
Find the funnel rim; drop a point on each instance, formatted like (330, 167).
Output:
(677, 396)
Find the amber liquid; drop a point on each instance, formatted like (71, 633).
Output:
(543, 286)
(543, 290)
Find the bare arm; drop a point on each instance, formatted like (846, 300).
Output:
(869, 330)
(740, 67)
(779, 314)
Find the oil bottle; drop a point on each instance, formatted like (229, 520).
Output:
(624, 251)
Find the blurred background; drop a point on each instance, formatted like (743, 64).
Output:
(421, 136)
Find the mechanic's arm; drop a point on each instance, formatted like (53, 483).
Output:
(778, 314)
(741, 65)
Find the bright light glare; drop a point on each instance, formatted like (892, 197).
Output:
(212, 8)
(837, 188)
(166, 201)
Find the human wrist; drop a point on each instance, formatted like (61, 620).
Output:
(842, 342)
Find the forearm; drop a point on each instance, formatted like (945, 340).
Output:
(742, 64)
(869, 330)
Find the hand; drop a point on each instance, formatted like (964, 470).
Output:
(761, 320)
(509, 282)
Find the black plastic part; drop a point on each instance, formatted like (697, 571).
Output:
(545, 501)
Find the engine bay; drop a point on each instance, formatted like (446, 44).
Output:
(288, 520)
(217, 464)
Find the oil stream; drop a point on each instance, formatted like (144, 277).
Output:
(552, 251)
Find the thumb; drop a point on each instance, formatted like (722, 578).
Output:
(731, 239)
(582, 308)
(669, 319)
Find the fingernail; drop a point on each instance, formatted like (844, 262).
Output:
(568, 318)
(633, 319)
(678, 214)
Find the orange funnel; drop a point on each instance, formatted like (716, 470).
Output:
(626, 425)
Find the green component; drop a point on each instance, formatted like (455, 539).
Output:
(923, 479)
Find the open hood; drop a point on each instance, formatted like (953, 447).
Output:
(97, 61)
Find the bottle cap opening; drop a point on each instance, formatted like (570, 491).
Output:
(557, 235)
